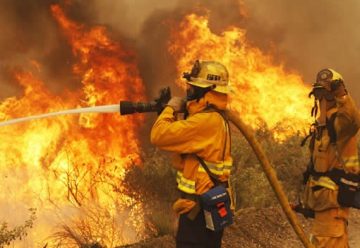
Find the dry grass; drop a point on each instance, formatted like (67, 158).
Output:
(93, 227)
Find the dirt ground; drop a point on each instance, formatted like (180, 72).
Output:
(260, 228)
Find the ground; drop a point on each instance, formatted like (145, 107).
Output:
(260, 228)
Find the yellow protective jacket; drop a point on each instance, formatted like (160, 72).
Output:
(204, 133)
(326, 156)
(321, 192)
(343, 155)
(330, 217)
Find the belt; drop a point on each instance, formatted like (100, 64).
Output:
(195, 197)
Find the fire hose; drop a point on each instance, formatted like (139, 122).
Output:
(127, 107)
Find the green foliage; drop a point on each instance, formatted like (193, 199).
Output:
(288, 158)
(17, 233)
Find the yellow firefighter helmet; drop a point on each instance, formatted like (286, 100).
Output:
(206, 74)
(328, 79)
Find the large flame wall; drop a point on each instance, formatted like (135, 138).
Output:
(69, 165)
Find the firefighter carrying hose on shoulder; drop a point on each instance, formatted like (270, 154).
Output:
(202, 142)
(332, 177)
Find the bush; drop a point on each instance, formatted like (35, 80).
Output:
(17, 233)
(249, 180)
(153, 183)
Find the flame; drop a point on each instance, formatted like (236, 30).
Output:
(80, 161)
(75, 161)
(263, 93)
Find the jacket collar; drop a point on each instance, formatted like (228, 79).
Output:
(215, 99)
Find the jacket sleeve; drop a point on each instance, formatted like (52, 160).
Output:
(183, 136)
(348, 114)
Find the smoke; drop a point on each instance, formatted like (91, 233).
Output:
(30, 40)
(309, 36)
(28, 34)
(304, 35)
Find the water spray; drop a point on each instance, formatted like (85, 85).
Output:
(97, 109)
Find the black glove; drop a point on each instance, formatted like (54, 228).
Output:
(306, 212)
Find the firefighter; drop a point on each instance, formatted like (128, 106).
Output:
(333, 172)
(203, 134)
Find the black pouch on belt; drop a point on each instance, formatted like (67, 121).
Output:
(349, 194)
(357, 200)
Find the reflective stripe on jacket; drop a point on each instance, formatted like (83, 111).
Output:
(326, 156)
(188, 185)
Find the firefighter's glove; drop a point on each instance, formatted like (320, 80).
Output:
(177, 104)
(306, 212)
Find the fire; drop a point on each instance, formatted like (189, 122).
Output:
(69, 166)
(73, 166)
(263, 93)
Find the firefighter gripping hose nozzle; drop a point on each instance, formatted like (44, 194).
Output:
(127, 107)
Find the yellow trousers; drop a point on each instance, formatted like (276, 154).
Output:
(329, 229)
(330, 242)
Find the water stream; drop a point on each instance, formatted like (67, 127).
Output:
(97, 109)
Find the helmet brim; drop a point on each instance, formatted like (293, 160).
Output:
(222, 89)
(225, 89)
